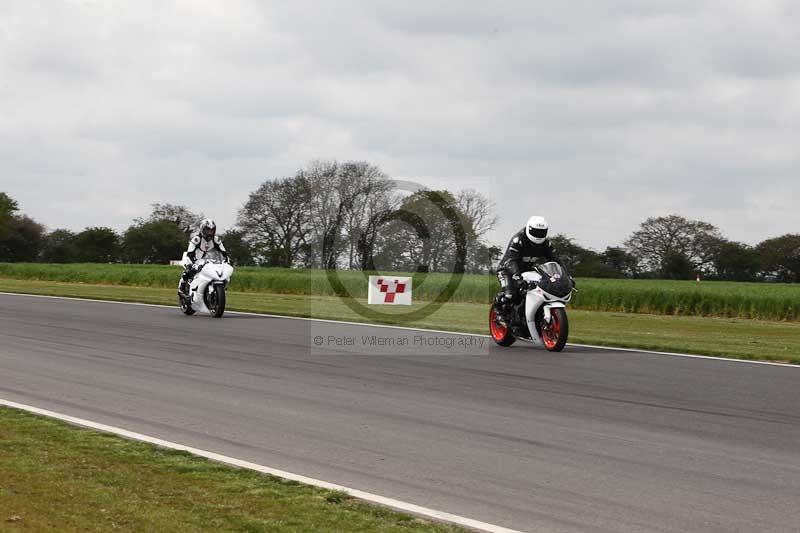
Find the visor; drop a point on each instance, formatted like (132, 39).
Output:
(537, 233)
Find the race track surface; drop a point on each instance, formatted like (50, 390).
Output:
(587, 440)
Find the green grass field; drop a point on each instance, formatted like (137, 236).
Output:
(56, 477)
(760, 301)
(722, 337)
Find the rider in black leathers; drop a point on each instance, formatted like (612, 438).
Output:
(528, 247)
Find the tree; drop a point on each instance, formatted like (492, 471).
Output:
(345, 198)
(579, 261)
(677, 265)
(276, 220)
(479, 212)
(371, 195)
(369, 214)
(22, 241)
(8, 207)
(153, 242)
(662, 242)
(97, 245)
(59, 246)
(620, 263)
(333, 215)
(428, 232)
(735, 261)
(483, 258)
(188, 221)
(781, 256)
(585, 262)
(331, 196)
(239, 248)
(327, 215)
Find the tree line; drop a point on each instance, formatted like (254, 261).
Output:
(330, 214)
(675, 247)
(156, 239)
(350, 215)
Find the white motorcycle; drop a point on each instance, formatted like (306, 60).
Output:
(541, 316)
(207, 289)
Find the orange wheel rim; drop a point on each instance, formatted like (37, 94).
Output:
(498, 332)
(551, 333)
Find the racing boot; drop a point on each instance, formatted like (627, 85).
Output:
(501, 310)
(186, 278)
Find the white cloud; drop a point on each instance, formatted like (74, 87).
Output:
(597, 114)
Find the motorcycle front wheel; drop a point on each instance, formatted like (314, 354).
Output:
(500, 334)
(216, 301)
(554, 335)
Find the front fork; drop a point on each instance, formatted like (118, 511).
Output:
(547, 315)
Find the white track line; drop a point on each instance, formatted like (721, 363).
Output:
(361, 495)
(367, 324)
(711, 357)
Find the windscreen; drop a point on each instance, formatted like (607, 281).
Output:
(214, 256)
(555, 280)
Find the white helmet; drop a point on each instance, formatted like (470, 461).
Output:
(536, 229)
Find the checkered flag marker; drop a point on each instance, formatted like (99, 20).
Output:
(389, 290)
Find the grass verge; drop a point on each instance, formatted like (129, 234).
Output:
(56, 477)
(721, 337)
(759, 301)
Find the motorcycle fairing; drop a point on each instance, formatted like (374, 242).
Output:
(533, 301)
(210, 275)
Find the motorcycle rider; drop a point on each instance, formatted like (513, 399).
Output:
(204, 242)
(528, 247)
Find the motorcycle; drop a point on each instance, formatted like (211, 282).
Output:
(207, 289)
(541, 316)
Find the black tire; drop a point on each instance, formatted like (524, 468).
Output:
(183, 302)
(560, 321)
(501, 336)
(217, 301)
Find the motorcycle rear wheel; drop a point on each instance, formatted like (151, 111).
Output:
(500, 334)
(555, 334)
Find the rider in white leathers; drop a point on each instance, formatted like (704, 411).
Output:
(200, 245)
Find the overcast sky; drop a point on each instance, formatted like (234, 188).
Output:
(596, 114)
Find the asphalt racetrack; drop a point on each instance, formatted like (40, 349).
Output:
(586, 440)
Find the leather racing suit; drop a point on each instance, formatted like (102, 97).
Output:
(521, 256)
(201, 246)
